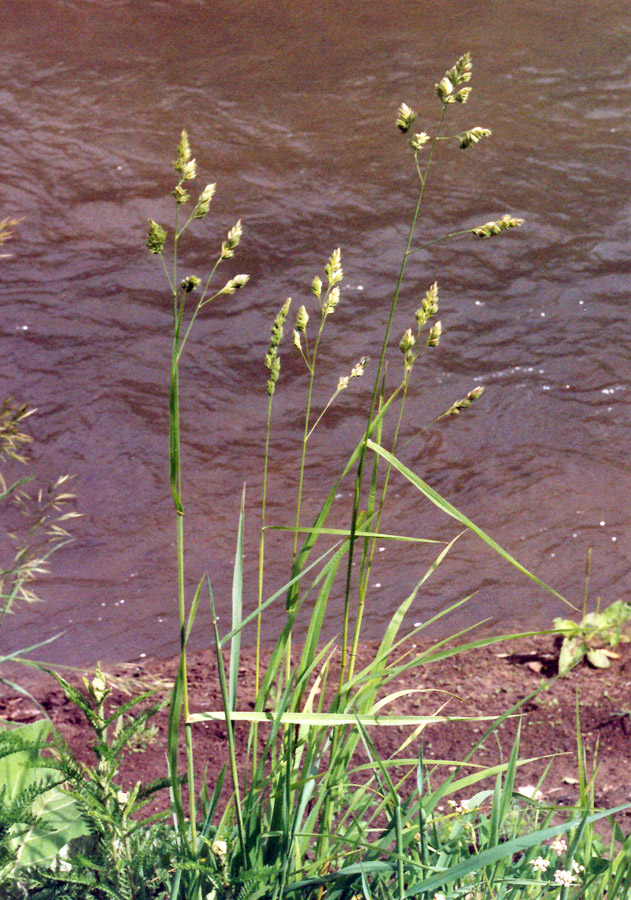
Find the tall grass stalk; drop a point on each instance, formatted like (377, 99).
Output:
(373, 406)
(181, 289)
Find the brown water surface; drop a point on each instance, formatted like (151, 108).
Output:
(290, 108)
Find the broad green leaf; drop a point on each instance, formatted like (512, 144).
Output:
(572, 651)
(598, 659)
(566, 625)
(59, 819)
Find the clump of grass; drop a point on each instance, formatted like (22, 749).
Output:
(295, 820)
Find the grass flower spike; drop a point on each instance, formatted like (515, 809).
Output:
(435, 332)
(272, 359)
(232, 241)
(156, 237)
(203, 203)
(418, 141)
(333, 268)
(405, 118)
(428, 307)
(235, 284)
(472, 136)
(492, 228)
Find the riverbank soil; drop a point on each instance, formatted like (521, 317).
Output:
(482, 682)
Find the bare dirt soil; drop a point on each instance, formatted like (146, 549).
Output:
(482, 682)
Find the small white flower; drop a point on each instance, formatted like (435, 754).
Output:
(559, 845)
(540, 864)
(219, 848)
(358, 369)
(563, 877)
(576, 868)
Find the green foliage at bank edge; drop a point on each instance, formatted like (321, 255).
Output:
(594, 637)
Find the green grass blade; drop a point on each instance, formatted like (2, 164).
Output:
(227, 718)
(327, 720)
(450, 510)
(345, 532)
(192, 613)
(173, 742)
(237, 607)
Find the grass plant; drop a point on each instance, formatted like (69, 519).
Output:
(316, 811)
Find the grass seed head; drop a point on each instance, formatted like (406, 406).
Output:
(156, 237)
(356, 372)
(333, 268)
(232, 241)
(235, 284)
(472, 136)
(406, 346)
(272, 360)
(428, 307)
(301, 320)
(456, 408)
(418, 141)
(331, 301)
(7, 226)
(492, 228)
(203, 203)
(181, 194)
(190, 283)
(444, 89)
(183, 154)
(358, 369)
(435, 332)
(190, 170)
(405, 118)
(460, 72)
(279, 322)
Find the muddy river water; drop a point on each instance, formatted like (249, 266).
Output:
(290, 107)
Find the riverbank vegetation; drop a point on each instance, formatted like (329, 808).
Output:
(307, 804)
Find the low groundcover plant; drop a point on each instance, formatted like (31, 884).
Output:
(315, 811)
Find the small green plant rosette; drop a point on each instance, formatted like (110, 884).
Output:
(594, 637)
